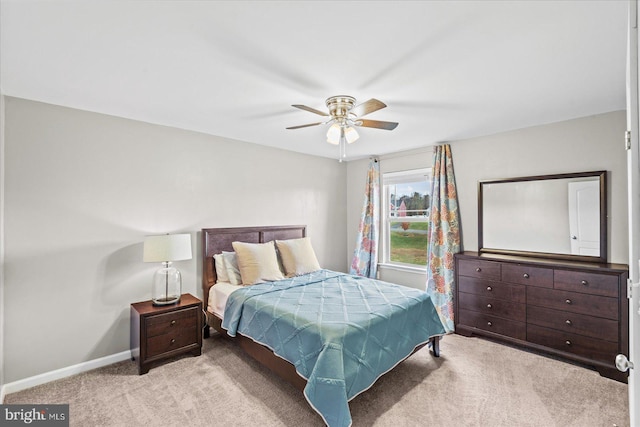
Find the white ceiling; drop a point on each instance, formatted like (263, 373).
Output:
(447, 70)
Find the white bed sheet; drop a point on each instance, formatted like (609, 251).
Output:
(218, 295)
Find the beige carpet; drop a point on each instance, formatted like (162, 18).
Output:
(475, 382)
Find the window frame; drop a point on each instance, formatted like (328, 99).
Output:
(388, 179)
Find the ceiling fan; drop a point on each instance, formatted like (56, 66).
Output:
(344, 115)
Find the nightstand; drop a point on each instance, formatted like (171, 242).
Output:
(160, 332)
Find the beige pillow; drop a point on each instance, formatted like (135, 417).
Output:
(257, 262)
(297, 256)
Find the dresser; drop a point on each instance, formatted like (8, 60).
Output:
(574, 310)
(161, 332)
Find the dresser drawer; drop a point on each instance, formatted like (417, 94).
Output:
(479, 268)
(591, 348)
(165, 323)
(171, 341)
(527, 275)
(594, 327)
(492, 306)
(493, 289)
(493, 324)
(590, 283)
(574, 302)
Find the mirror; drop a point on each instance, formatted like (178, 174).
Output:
(552, 216)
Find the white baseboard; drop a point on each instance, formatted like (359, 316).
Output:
(62, 373)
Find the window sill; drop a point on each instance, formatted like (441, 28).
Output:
(404, 268)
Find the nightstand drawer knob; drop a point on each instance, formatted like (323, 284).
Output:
(567, 342)
(478, 269)
(173, 322)
(568, 322)
(525, 275)
(584, 282)
(489, 288)
(489, 324)
(173, 341)
(568, 301)
(489, 306)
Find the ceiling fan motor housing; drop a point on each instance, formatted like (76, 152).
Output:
(340, 106)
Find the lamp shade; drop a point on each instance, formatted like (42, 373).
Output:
(167, 247)
(334, 133)
(351, 134)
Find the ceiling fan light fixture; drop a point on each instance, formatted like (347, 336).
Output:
(351, 134)
(333, 134)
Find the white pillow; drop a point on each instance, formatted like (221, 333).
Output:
(221, 268)
(258, 262)
(231, 265)
(297, 256)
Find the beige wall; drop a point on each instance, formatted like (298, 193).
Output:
(83, 189)
(584, 144)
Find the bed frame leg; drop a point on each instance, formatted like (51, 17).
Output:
(435, 345)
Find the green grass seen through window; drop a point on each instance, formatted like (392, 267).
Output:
(409, 246)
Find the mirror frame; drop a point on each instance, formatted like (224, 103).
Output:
(602, 175)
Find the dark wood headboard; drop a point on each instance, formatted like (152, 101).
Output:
(216, 240)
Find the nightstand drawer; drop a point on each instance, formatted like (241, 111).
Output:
(492, 306)
(165, 323)
(594, 327)
(172, 341)
(493, 324)
(479, 268)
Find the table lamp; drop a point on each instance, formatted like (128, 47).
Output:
(167, 281)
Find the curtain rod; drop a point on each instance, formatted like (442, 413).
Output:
(423, 150)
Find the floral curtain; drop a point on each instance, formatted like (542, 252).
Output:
(444, 235)
(365, 257)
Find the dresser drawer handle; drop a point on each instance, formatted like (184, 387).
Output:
(525, 275)
(489, 324)
(567, 342)
(478, 269)
(489, 306)
(173, 341)
(173, 322)
(568, 322)
(568, 301)
(584, 282)
(489, 288)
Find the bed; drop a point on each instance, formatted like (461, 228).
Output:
(339, 354)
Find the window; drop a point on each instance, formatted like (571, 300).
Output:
(405, 209)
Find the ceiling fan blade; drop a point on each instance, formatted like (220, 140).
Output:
(378, 124)
(309, 109)
(305, 126)
(368, 107)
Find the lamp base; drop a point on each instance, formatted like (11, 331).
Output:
(171, 299)
(167, 285)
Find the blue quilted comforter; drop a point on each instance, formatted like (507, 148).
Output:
(341, 332)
